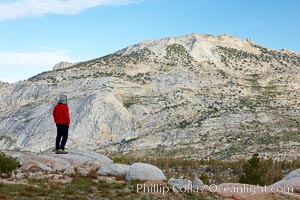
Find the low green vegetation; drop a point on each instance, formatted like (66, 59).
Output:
(7, 163)
(80, 188)
(129, 101)
(176, 53)
(89, 187)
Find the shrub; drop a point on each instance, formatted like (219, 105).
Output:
(129, 101)
(7, 163)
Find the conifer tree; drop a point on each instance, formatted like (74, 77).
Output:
(253, 171)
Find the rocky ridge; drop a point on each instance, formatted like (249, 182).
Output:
(196, 96)
(62, 65)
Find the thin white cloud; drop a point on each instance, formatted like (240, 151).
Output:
(24, 8)
(15, 66)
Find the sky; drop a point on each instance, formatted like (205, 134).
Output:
(37, 34)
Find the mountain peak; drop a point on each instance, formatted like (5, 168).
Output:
(201, 47)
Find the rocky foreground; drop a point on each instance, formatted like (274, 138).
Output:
(138, 179)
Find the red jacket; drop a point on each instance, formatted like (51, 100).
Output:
(61, 114)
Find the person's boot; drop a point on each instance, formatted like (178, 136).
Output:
(63, 152)
(59, 151)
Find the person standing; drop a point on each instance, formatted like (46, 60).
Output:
(62, 120)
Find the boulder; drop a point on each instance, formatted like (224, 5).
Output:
(113, 169)
(144, 172)
(57, 164)
(197, 183)
(180, 183)
(35, 166)
(69, 171)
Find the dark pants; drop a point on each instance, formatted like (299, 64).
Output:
(62, 136)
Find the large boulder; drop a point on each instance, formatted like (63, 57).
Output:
(144, 172)
(113, 169)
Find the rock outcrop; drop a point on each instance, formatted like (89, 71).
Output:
(83, 161)
(62, 65)
(290, 182)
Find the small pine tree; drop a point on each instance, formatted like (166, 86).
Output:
(253, 171)
(7, 163)
(204, 178)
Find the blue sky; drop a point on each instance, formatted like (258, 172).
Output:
(36, 34)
